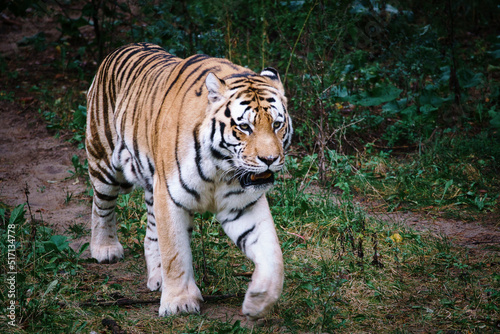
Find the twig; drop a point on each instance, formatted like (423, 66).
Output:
(26, 193)
(245, 274)
(297, 41)
(297, 235)
(127, 301)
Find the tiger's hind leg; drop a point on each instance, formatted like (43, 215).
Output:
(104, 244)
(151, 247)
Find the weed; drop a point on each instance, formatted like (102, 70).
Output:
(450, 174)
(6, 96)
(77, 231)
(80, 169)
(42, 266)
(68, 198)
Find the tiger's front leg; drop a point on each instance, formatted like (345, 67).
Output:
(179, 291)
(254, 233)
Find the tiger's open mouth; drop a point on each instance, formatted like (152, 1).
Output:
(252, 179)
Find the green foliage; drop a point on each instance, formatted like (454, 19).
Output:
(41, 265)
(450, 173)
(132, 217)
(80, 169)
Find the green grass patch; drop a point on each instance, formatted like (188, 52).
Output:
(449, 175)
(344, 271)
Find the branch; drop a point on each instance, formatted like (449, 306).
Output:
(127, 301)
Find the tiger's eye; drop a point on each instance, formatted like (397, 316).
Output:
(244, 126)
(277, 125)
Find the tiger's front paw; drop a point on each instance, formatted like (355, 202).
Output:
(189, 303)
(154, 280)
(109, 253)
(261, 297)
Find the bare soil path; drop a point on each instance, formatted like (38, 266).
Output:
(34, 167)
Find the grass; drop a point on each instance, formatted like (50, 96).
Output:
(345, 271)
(455, 177)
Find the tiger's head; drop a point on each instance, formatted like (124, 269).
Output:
(251, 128)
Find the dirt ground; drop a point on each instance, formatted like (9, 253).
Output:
(34, 168)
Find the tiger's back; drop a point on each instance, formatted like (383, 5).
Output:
(197, 134)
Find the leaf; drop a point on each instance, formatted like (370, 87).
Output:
(430, 97)
(468, 78)
(17, 215)
(377, 96)
(83, 248)
(495, 54)
(80, 117)
(51, 287)
(495, 118)
(57, 242)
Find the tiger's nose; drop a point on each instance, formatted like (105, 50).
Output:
(268, 160)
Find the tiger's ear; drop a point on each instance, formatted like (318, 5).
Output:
(272, 74)
(216, 87)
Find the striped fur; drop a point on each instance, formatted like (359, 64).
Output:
(198, 134)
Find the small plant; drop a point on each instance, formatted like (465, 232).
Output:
(39, 264)
(80, 169)
(68, 198)
(6, 96)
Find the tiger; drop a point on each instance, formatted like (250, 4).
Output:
(197, 134)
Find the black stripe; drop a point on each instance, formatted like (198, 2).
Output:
(106, 214)
(190, 61)
(149, 202)
(99, 174)
(197, 148)
(239, 86)
(234, 192)
(239, 212)
(178, 204)
(105, 197)
(184, 185)
(201, 76)
(189, 190)
(212, 134)
(112, 207)
(240, 75)
(219, 156)
(126, 185)
(149, 185)
(151, 167)
(243, 238)
(223, 142)
(244, 112)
